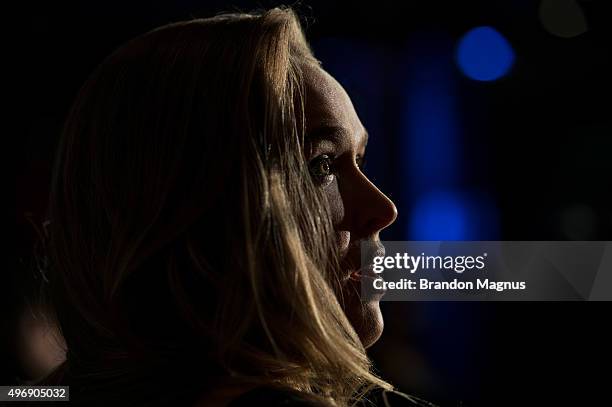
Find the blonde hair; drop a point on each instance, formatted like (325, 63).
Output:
(181, 198)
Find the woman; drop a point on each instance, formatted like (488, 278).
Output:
(206, 212)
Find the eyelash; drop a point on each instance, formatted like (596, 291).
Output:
(314, 167)
(325, 177)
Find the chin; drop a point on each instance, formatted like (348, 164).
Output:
(373, 324)
(367, 320)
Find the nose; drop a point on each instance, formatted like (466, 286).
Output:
(370, 210)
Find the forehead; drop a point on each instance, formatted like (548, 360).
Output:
(328, 105)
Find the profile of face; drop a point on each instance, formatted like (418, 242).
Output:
(336, 144)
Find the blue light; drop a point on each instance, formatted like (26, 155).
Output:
(431, 143)
(451, 214)
(439, 216)
(433, 147)
(484, 54)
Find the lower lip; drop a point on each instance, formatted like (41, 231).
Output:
(365, 272)
(368, 275)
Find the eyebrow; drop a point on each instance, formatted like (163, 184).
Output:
(332, 133)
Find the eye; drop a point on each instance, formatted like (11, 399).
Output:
(321, 169)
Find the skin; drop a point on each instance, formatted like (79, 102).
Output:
(359, 209)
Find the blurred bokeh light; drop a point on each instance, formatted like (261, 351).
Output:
(563, 18)
(484, 54)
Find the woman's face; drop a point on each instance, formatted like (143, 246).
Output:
(335, 150)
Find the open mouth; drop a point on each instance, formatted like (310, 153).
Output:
(366, 271)
(366, 280)
(372, 251)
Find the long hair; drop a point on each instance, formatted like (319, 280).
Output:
(185, 230)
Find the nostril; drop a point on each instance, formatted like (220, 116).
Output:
(380, 222)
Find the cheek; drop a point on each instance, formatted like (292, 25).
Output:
(343, 237)
(335, 202)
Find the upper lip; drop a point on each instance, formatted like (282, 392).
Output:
(378, 250)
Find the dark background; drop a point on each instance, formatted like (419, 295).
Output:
(523, 157)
